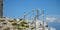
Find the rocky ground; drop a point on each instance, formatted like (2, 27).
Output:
(21, 24)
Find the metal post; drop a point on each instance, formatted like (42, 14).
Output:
(31, 18)
(35, 22)
(37, 14)
(30, 24)
(43, 18)
(33, 14)
(24, 15)
(1, 8)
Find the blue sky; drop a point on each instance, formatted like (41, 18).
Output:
(16, 9)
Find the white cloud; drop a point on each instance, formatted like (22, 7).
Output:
(52, 28)
(50, 19)
(59, 21)
(53, 18)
